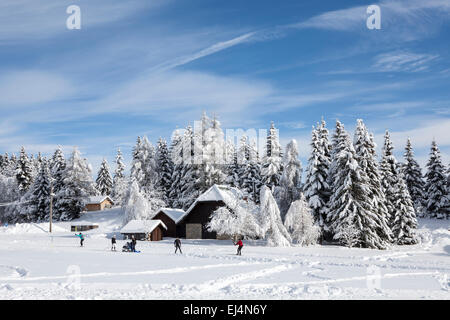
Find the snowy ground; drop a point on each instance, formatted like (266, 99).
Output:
(36, 265)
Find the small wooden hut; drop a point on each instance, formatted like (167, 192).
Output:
(171, 218)
(98, 203)
(83, 226)
(146, 230)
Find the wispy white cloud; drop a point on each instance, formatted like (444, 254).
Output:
(41, 19)
(342, 20)
(394, 105)
(168, 96)
(184, 91)
(293, 124)
(403, 61)
(398, 61)
(402, 20)
(30, 87)
(423, 135)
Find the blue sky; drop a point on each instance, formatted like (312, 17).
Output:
(141, 67)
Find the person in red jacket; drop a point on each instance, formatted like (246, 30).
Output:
(240, 245)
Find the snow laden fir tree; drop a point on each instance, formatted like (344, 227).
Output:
(186, 183)
(164, 167)
(398, 199)
(299, 222)
(35, 204)
(437, 191)
(24, 172)
(37, 201)
(246, 170)
(290, 182)
(213, 152)
(350, 204)
(404, 223)
(136, 205)
(78, 186)
(316, 187)
(104, 182)
(144, 196)
(367, 161)
(57, 169)
(414, 179)
(272, 227)
(120, 183)
(237, 219)
(272, 166)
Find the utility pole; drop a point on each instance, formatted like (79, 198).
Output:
(254, 190)
(51, 207)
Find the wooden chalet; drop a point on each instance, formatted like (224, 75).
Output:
(196, 218)
(171, 218)
(147, 230)
(98, 203)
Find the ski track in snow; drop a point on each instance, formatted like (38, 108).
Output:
(15, 272)
(220, 283)
(330, 281)
(320, 265)
(136, 273)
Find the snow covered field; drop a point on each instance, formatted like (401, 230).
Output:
(36, 265)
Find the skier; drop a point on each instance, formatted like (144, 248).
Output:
(133, 243)
(177, 244)
(81, 238)
(113, 243)
(240, 245)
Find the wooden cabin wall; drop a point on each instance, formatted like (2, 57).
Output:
(201, 214)
(170, 224)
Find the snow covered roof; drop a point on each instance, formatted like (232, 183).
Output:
(174, 214)
(217, 192)
(98, 199)
(142, 226)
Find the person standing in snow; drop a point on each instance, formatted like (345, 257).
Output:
(81, 238)
(113, 243)
(133, 243)
(240, 245)
(177, 244)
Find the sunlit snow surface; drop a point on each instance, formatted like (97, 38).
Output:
(37, 265)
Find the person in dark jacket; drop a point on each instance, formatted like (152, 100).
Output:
(133, 243)
(113, 243)
(177, 244)
(240, 245)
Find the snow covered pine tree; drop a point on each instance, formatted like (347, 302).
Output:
(414, 180)
(24, 172)
(78, 186)
(36, 203)
(366, 157)
(165, 169)
(289, 189)
(316, 188)
(272, 167)
(120, 183)
(437, 197)
(350, 204)
(104, 183)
